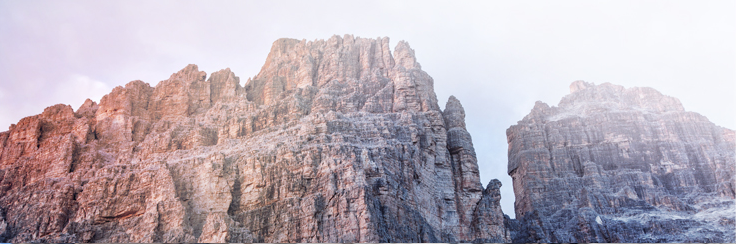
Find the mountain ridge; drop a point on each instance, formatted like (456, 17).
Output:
(342, 140)
(336, 140)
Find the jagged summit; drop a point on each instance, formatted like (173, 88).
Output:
(580, 85)
(341, 140)
(335, 140)
(586, 99)
(615, 164)
(345, 61)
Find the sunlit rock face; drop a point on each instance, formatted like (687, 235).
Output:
(610, 164)
(336, 140)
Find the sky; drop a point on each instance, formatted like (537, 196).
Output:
(496, 57)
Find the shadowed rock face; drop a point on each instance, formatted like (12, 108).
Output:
(610, 164)
(335, 140)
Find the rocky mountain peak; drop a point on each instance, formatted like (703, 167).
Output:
(224, 85)
(190, 73)
(331, 142)
(294, 66)
(454, 113)
(404, 56)
(87, 109)
(341, 140)
(587, 98)
(540, 111)
(580, 85)
(609, 162)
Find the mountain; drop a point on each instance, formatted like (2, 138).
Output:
(610, 164)
(336, 140)
(342, 140)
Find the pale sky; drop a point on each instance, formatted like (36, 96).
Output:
(497, 57)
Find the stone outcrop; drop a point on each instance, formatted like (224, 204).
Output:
(334, 140)
(610, 164)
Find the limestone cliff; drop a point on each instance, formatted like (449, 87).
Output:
(610, 164)
(336, 140)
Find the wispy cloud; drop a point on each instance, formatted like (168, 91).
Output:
(77, 88)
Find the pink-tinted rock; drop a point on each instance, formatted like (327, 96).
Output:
(333, 141)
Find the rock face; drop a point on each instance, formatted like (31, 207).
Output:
(610, 164)
(333, 141)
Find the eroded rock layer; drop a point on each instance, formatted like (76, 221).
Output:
(335, 140)
(610, 164)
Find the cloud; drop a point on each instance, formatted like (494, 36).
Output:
(77, 88)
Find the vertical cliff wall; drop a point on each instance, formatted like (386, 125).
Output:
(610, 164)
(336, 140)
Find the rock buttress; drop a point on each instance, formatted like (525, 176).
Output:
(334, 140)
(610, 164)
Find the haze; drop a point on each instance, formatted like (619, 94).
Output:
(497, 58)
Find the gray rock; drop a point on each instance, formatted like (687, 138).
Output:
(333, 141)
(610, 164)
